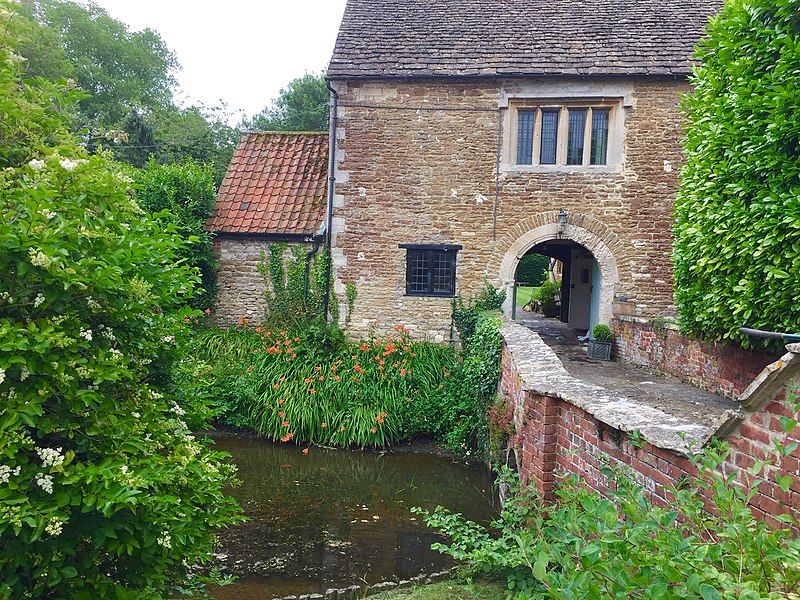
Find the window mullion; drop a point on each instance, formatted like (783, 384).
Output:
(537, 137)
(587, 137)
(563, 134)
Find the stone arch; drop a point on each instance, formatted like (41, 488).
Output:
(580, 228)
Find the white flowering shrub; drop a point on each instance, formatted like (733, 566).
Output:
(104, 492)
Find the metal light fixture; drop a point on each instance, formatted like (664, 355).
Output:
(562, 221)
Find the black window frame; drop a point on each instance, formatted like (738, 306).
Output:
(430, 251)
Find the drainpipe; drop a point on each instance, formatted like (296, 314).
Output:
(315, 244)
(331, 184)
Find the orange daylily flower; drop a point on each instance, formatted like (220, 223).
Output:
(287, 437)
(374, 430)
(285, 423)
(305, 451)
(281, 401)
(312, 391)
(281, 414)
(324, 425)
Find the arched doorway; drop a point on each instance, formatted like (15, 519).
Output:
(570, 269)
(583, 247)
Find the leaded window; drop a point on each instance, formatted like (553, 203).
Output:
(568, 135)
(430, 269)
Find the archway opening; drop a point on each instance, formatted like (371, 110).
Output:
(567, 288)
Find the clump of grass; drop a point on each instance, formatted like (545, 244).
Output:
(311, 386)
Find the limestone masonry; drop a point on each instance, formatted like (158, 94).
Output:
(431, 162)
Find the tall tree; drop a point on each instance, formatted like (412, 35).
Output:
(301, 106)
(122, 70)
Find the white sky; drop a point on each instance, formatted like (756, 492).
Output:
(239, 51)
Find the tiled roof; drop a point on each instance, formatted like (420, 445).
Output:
(276, 183)
(435, 38)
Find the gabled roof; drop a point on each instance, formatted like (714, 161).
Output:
(276, 183)
(505, 38)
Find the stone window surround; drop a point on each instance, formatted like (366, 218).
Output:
(547, 94)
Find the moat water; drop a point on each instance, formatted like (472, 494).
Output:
(333, 518)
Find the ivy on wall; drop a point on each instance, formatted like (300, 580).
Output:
(737, 232)
(294, 283)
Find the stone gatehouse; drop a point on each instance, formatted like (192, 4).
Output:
(469, 133)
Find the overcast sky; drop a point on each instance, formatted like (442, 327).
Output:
(239, 51)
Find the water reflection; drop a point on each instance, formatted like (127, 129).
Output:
(332, 518)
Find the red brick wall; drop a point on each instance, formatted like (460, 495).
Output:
(718, 368)
(555, 437)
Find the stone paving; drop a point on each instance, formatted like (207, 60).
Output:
(645, 389)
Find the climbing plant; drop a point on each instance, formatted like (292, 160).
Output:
(737, 232)
(295, 283)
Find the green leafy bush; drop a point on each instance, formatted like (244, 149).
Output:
(473, 387)
(183, 195)
(103, 484)
(623, 546)
(104, 492)
(532, 269)
(547, 294)
(602, 333)
(467, 314)
(737, 231)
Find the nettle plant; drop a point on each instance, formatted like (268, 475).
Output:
(706, 544)
(103, 489)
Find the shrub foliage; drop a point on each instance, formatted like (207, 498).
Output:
(737, 248)
(706, 544)
(183, 195)
(103, 490)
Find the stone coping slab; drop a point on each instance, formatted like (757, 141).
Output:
(543, 373)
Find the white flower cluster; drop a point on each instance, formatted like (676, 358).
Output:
(116, 354)
(86, 334)
(165, 540)
(107, 332)
(136, 415)
(92, 303)
(178, 410)
(169, 339)
(6, 297)
(45, 482)
(39, 258)
(51, 457)
(54, 527)
(36, 164)
(6, 472)
(24, 373)
(47, 213)
(69, 165)
(2, 375)
(38, 301)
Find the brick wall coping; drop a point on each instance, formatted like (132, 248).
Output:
(665, 323)
(542, 373)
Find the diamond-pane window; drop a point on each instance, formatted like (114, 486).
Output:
(430, 269)
(549, 137)
(527, 120)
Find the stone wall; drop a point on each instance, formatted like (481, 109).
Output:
(429, 163)
(719, 368)
(557, 434)
(240, 293)
(240, 287)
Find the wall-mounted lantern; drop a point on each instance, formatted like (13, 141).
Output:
(562, 221)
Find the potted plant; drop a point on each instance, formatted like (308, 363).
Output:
(600, 343)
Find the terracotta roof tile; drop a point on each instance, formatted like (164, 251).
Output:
(276, 183)
(505, 38)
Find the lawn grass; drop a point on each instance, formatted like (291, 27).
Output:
(447, 590)
(524, 295)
